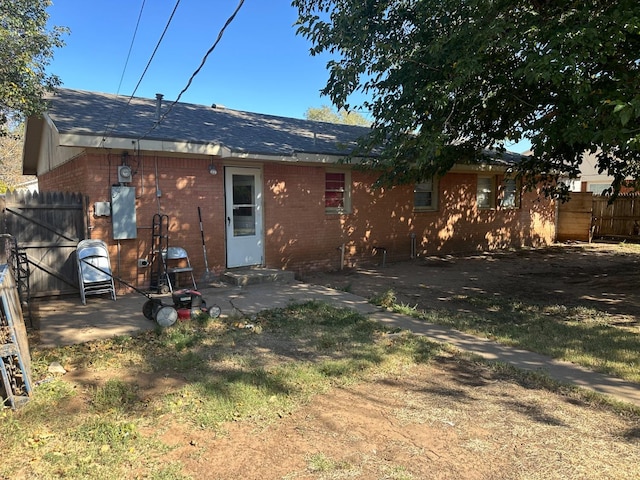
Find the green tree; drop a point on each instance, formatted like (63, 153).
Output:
(326, 114)
(449, 78)
(26, 48)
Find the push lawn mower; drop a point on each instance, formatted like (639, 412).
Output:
(186, 304)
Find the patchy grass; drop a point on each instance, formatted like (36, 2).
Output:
(108, 417)
(319, 463)
(581, 335)
(94, 430)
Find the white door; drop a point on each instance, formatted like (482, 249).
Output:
(243, 195)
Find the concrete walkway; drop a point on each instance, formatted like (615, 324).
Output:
(69, 322)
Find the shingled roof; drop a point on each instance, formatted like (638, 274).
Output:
(100, 120)
(93, 114)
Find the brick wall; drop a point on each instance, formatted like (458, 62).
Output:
(299, 234)
(184, 184)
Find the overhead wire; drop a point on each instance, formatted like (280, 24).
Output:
(124, 108)
(195, 73)
(133, 39)
(126, 62)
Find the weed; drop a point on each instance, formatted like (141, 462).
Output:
(180, 337)
(398, 473)
(405, 309)
(113, 395)
(385, 299)
(320, 463)
(114, 434)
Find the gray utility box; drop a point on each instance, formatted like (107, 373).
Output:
(123, 212)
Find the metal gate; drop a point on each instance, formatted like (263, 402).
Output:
(48, 227)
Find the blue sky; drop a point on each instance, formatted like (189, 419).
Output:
(260, 65)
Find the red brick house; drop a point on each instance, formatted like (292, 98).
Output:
(270, 189)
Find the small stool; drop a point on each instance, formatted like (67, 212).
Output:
(384, 253)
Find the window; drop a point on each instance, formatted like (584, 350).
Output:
(598, 188)
(510, 195)
(486, 192)
(425, 195)
(337, 192)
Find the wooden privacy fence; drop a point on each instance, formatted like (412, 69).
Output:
(47, 227)
(586, 216)
(575, 218)
(618, 220)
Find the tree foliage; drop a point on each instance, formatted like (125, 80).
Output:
(449, 78)
(11, 159)
(26, 48)
(326, 114)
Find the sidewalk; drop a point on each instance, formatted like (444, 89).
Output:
(69, 322)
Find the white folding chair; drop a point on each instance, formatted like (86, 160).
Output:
(177, 262)
(94, 269)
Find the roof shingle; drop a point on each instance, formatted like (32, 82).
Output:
(90, 113)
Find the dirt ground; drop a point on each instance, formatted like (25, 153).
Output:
(450, 421)
(598, 275)
(454, 419)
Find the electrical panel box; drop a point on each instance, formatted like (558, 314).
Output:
(123, 212)
(102, 209)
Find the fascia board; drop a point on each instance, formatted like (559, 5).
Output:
(163, 146)
(483, 168)
(293, 158)
(322, 158)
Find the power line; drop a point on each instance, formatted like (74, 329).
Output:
(133, 39)
(193, 75)
(124, 69)
(155, 49)
(117, 122)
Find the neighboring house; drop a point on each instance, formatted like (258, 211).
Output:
(271, 190)
(591, 180)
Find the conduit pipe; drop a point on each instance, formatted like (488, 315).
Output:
(413, 245)
(341, 248)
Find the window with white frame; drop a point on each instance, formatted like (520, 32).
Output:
(425, 195)
(337, 192)
(486, 193)
(510, 194)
